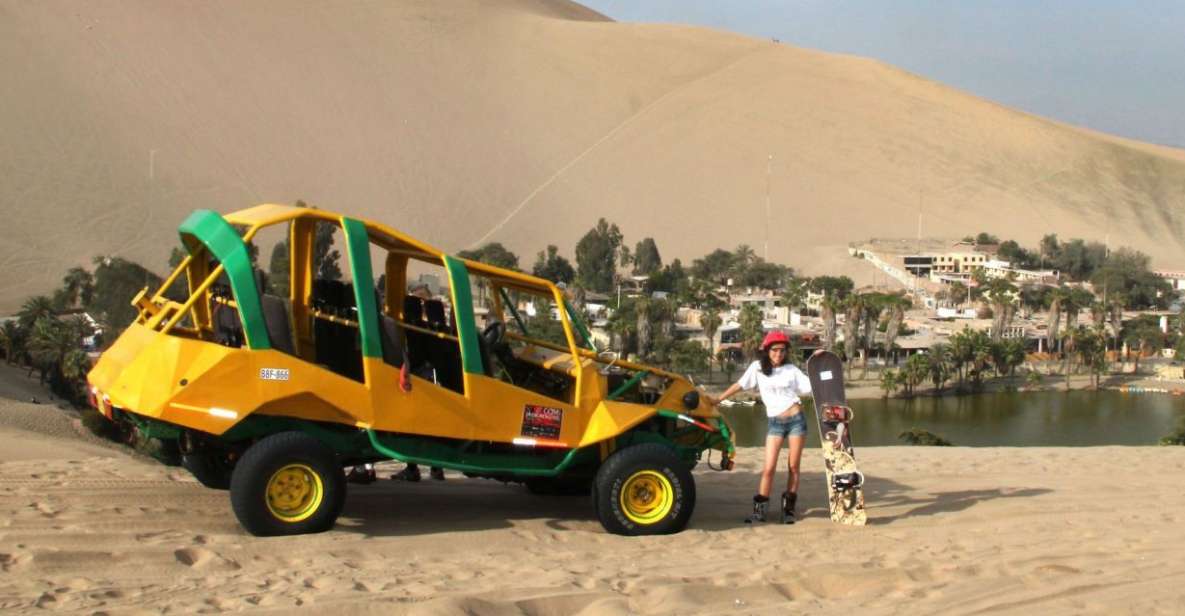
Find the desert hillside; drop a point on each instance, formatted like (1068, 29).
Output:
(521, 121)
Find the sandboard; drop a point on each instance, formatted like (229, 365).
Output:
(845, 493)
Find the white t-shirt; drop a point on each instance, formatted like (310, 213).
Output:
(780, 390)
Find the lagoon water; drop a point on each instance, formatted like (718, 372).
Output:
(1028, 419)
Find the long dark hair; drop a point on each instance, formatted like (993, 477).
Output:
(767, 365)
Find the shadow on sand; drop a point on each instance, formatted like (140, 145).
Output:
(388, 508)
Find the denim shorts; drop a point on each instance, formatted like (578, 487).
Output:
(790, 426)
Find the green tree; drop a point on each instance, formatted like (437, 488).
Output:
(1002, 295)
(716, 267)
(795, 292)
(1127, 271)
(890, 382)
(279, 270)
(687, 356)
(1079, 260)
(915, 371)
(751, 328)
(896, 305)
(1144, 335)
(12, 338)
(853, 310)
(763, 275)
(35, 309)
(959, 294)
(834, 289)
(78, 285)
(918, 436)
(874, 305)
(1007, 355)
(596, 257)
(493, 253)
(1091, 347)
(742, 258)
(50, 342)
(116, 282)
(940, 365)
(710, 320)
(646, 259)
(326, 258)
(986, 238)
(551, 266)
(1033, 379)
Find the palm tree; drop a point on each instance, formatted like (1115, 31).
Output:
(1091, 346)
(961, 352)
(78, 285)
(939, 365)
(751, 328)
(34, 309)
(1002, 295)
(890, 381)
(916, 368)
(711, 321)
(51, 340)
(1116, 302)
(958, 293)
(794, 295)
(874, 305)
(643, 327)
(853, 308)
(1144, 334)
(897, 305)
(827, 314)
(12, 338)
(981, 355)
(1054, 319)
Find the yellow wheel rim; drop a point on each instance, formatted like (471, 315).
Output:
(647, 497)
(294, 493)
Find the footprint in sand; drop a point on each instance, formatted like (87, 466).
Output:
(1056, 569)
(201, 558)
(46, 509)
(14, 561)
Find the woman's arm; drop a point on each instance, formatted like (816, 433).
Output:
(732, 389)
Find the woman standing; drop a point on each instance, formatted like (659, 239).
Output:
(781, 384)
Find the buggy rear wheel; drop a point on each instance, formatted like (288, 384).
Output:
(287, 484)
(644, 490)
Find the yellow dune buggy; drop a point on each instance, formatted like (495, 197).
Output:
(271, 385)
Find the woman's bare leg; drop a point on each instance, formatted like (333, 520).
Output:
(773, 446)
(795, 458)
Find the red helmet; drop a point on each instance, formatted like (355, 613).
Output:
(774, 337)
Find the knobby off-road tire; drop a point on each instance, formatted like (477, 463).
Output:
(211, 469)
(287, 484)
(644, 489)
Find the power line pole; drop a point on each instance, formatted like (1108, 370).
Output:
(769, 163)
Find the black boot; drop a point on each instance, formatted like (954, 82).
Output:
(789, 499)
(760, 506)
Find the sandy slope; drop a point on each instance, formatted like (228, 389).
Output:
(521, 121)
(1092, 530)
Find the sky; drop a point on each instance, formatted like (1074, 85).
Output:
(1109, 65)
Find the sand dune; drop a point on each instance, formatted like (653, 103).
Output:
(952, 530)
(525, 120)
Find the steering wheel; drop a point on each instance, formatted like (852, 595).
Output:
(493, 334)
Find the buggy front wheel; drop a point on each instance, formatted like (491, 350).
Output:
(644, 489)
(287, 484)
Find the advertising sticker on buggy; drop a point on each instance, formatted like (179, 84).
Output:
(542, 421)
